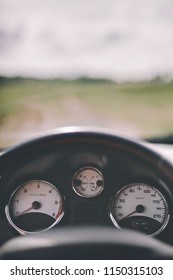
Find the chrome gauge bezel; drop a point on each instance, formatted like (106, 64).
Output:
(88, 168)
(24, 232)
(115, 222)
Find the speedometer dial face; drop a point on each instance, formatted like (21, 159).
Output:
(35, 206)
(139, 207)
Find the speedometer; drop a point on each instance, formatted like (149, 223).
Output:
(34, 206)
(139, 207)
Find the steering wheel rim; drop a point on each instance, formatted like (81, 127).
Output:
(80, 135)
(86, 243)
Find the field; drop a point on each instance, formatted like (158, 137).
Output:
(29, 106)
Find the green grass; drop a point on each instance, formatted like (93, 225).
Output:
(143, 107)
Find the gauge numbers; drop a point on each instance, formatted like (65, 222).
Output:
(35, 206)
(140, 207)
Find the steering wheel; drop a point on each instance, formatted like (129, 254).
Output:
(86, 242)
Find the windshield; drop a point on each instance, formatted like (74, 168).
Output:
(97, 63)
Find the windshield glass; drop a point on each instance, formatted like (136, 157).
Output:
(97, 63)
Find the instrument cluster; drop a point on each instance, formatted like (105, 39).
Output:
(38, 205)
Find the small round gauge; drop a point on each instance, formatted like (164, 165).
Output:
(88, 182)
(35, 206)
(140, 207)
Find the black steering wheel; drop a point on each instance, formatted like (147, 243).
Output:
(86, 242)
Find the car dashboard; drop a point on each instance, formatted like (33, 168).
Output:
(81, 177)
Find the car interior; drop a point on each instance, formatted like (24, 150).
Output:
(85, 193)
(86, 134)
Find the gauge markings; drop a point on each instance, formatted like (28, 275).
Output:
(88, 182)
(33, 209)
(139, 200)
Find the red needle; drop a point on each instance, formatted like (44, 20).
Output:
(35, 205)
(26, 210)
(130, 214)
(139, 209)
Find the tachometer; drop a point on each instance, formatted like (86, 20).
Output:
(35, 206)
(140, 207)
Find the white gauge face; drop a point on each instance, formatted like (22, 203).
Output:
(35, 206)
(140, 207)
(88, 182)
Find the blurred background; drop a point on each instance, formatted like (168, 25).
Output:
(105, 63)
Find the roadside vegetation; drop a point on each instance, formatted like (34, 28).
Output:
(29, 106)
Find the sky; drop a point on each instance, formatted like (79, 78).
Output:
(119, 40)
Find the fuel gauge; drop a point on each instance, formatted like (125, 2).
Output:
(88, 182)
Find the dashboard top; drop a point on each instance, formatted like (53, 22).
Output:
(85, 177)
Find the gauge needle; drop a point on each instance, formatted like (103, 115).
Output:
(130, 214)
(139, 209)
(26, 210)
(35, 205)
